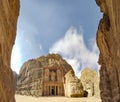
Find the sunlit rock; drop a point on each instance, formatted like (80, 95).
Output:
(73, 86)
(108, 41)
(90, 81)
(9, 11)
(43, 76)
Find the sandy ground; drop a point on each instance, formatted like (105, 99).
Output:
(20, 98)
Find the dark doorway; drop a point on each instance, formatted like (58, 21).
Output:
(53, 92)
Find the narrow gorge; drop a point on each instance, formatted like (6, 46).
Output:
(108, 39)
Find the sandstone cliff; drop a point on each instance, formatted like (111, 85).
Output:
(43, 76)
(90, 81)
(9, 11)
(108, 40)
(73, 86)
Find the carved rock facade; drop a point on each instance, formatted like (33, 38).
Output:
(108, 40)
(43, 76)
(9, 11)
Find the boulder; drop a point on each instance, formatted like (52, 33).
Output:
(90, 81)
(72, 85)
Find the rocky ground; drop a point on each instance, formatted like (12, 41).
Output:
(20, 98)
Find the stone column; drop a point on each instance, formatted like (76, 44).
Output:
(50, 90)
(55, 90)
(45, 90)
(58, 90)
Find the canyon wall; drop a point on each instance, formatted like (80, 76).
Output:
(108, 40)
(9, 11)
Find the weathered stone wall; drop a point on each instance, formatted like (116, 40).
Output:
(30, 79)
(90, 81)
(9, 11)
(108, 40)
(73, 85)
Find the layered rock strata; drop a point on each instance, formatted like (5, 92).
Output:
(43, 76)
(90, 81)
(9, 11)
(108, 40)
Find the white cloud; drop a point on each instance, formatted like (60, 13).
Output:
(72, 47)
(16, 58)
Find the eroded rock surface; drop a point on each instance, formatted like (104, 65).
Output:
(9, 11)
(15, 76)
(108, 40)
(90, 81)
(73, 85)
(43, 76)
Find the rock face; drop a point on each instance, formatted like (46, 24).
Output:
(73, 85)
(108, 40)
(43, 76)
(15, 75)
(9, 11)
(90, 81)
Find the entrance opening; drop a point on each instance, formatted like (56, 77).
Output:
(55, 23)
(53, 92)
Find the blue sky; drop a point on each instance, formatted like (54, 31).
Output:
(57, 26)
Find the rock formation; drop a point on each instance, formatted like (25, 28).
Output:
(15, 75)
(43, 76)
(90, 81)
(108, 40)
(73, 86)
(9, 11)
